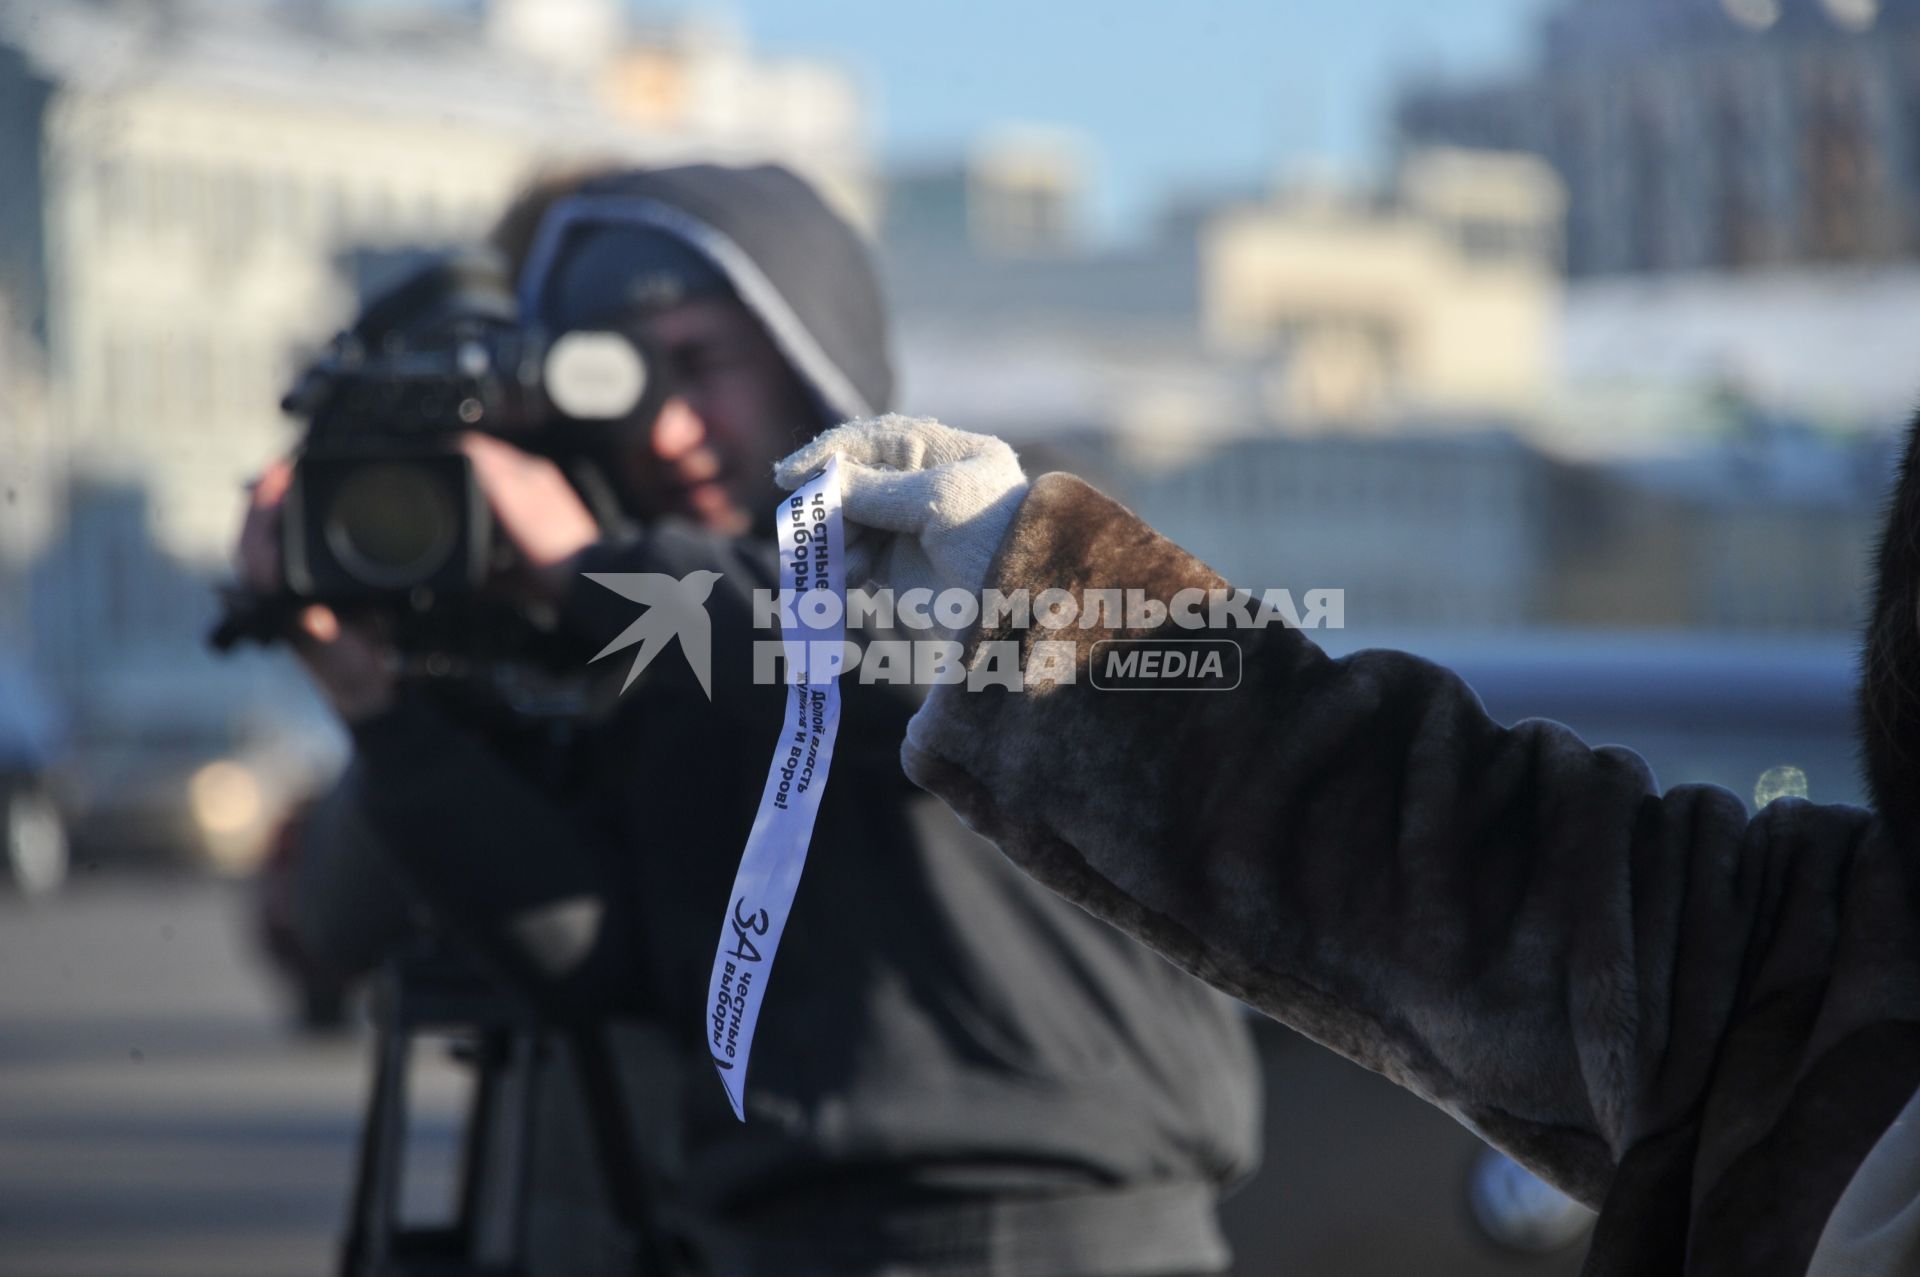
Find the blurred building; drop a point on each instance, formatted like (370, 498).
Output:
(1363, 390)
(183, 183)
(192, 197)
(1005, 317)
(1771, 531)
(24, 483)
(991, 245)
(1767, 533)
(1710, 134)
(1428, 532)
(1436, 304)
(1016, 194)
(1655, 362)
(1428, 305)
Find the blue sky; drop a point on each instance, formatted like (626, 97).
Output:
(1208, 93)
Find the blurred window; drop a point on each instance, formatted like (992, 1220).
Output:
(117, 393)
(238, 190)
(144, 203)
(196, 397)
(333, 212)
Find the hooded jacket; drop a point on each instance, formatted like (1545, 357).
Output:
(955, 1072)
(1697, 1020)
(791, 260)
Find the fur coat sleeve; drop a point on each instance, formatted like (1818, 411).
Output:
(1695, 1020)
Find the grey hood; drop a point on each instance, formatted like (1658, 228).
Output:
(794, 262)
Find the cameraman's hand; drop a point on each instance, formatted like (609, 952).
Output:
(932, 503)
(355, 668)
(537, 509)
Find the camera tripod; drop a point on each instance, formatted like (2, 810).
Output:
(432, 990)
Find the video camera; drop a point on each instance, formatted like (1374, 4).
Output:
(384, 513)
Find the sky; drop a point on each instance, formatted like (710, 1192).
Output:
(1214, 94)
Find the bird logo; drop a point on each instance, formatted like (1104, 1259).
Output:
(676, 608)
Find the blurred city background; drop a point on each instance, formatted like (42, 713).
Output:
(1570, 339)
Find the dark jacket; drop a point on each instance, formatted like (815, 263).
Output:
(955, 1071)
(1697, 1020)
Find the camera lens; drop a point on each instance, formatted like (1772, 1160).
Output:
(595, 376)
(392, 525)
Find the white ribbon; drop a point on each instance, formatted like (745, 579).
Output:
(813, 569)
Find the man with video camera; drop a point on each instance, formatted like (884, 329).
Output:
(955, 1072)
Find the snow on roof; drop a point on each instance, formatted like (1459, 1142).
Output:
(1838, 344)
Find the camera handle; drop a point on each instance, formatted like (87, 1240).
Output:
(430, 990)
(248, 617)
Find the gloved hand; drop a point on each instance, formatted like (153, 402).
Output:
(926, 505)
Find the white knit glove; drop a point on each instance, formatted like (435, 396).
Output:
(926, 505)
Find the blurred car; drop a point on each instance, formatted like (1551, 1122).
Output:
(33, 837)
(193, 763)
